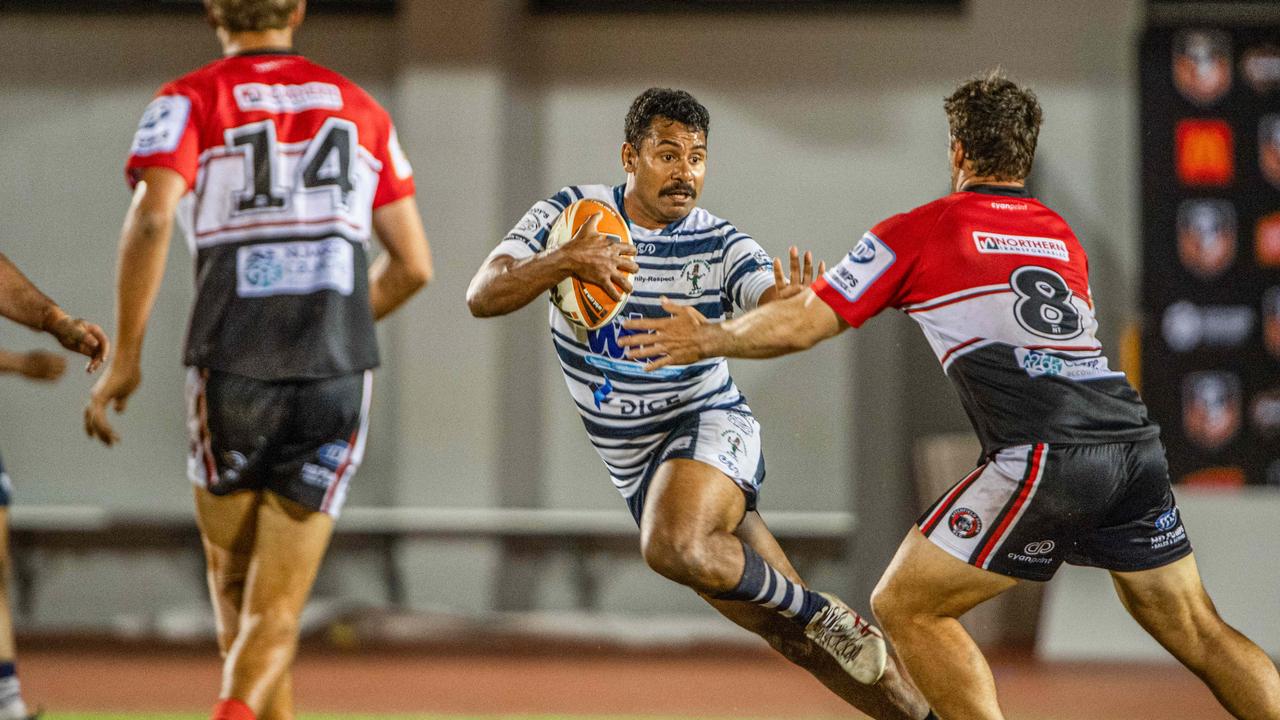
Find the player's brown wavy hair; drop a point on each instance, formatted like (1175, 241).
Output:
(250, 15)
(997, 121)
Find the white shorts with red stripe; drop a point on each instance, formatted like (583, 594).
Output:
(303, 440)
(1030, 508)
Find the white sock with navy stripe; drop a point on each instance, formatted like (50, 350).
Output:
(11, 705)
(764, 585)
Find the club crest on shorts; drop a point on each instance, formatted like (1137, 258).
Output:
(735, 443)
(964, 523)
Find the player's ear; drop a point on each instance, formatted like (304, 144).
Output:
(957, 153)
(629, 157)
(299, 13)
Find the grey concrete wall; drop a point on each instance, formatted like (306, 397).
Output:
(821, 125)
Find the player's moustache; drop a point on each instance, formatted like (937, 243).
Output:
(685, 188)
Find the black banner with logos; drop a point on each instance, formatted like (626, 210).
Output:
(1210, 111)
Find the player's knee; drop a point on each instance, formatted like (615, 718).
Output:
(679, 556)
(273, 626)
(888, 602)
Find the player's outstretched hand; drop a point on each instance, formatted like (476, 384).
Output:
(801, 277)
(113, 388)
(675, 340)
(595, 259)
(42, 365)
(82, 336)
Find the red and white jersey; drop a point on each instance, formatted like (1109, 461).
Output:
(1000, 285)
(285, 162)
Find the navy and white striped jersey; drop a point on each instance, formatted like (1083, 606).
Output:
(701, 261)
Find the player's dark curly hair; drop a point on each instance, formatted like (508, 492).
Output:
(997, 122)
(250, 15)
(676, 105)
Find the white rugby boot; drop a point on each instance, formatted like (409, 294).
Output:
(855, 643)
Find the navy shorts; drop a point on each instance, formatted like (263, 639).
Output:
(302, 440)
(1030, 508)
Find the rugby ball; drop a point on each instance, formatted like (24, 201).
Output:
(583, 304)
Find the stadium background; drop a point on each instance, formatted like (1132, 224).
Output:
(822, 123)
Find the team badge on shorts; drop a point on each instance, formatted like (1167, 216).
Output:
(964, 523)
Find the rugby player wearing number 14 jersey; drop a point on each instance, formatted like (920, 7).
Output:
(279, 171)
(1074, 471)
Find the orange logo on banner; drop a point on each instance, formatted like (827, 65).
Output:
(1266, 238)
(1205, 152)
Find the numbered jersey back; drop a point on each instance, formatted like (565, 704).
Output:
(285, 162)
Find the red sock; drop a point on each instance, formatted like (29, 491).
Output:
(232, 709)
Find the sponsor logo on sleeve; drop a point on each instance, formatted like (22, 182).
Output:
(997, 244)
(163, 123)
(861, 267)
(295, 268)
(287, 98)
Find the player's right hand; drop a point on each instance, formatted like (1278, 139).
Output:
(596, 259)
(82, 336)
(41, 365)
(113, 388)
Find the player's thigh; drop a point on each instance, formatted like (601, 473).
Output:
(688, 499)
(924, 579)
(1165, 600)
(288, 548)
(227, 523)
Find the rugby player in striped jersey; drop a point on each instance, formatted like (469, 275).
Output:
(681, 445)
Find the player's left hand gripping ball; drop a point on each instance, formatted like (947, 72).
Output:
(675, 340)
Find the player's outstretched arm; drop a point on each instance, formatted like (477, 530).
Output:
(22, 302)
(144, 245)
(779, 328)
(405, 267)
(34, 365)
(504, 284)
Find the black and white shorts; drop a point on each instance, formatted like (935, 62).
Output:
(302, 440)
(1031, 508)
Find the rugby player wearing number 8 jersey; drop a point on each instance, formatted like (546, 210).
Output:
(682, 446)
(279, 171)
(1074, 471)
